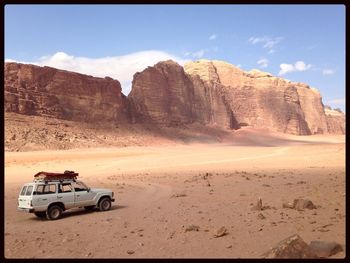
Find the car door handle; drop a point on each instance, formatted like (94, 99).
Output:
(78, 195)
(59, 196)
(44, 199)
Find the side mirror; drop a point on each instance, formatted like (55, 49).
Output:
(88, 189)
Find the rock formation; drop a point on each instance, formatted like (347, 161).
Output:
(335, 121)
(295, 247)
(162, 94)
(166, 95)
(45, 91)
(203, 92)
(291, 247)
(260, 100)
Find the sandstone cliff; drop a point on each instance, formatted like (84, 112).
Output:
(165, 95)
(260, 100)
(204, 92)
(45, 91)
(335, 121)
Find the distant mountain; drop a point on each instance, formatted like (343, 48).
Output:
(168, 95)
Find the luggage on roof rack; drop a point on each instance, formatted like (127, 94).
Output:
(56, 176)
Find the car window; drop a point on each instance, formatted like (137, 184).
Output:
(65, 188)
(50, 188)
(29, 190)
(78, 187)
(23, 190)
(39, 189)
(45, 189)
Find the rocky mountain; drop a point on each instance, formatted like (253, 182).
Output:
(208, 93)
(335, 121)
(258, 99)
(46, 91)
(166, 95)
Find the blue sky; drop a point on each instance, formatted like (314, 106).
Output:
(304, 43)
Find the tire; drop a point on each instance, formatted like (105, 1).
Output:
(40, 214)
(105, 204)
(90, 207)
(54, 212)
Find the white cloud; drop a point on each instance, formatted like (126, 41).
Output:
(298, 66)
(301, 66)
(10, 60)
(197, 54)
(267, 42)
(337, 101)
(239, 65)
(212, 37)
(121, 68)
(328, 71)
(263, 63)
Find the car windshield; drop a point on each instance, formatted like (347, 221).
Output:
(79, 186)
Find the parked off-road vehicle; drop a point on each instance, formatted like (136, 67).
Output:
(52, 193)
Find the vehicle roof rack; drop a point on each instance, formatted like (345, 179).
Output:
(45, 176)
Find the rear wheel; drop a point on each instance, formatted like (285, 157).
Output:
(105, 204)
(54, 212)
(40, 214)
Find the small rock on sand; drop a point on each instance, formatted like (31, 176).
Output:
(261, 216)
(130, 252)
(325, 249)
(291, 247)
(220, 232)
(191, 228)
(288, 205)
(179, 195)
(300, 204)
(258, 205)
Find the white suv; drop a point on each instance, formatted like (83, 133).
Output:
(50, 197)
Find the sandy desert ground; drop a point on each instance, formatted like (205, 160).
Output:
(161, 191)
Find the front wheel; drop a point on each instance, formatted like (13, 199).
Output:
(54, 212)
(105, 204)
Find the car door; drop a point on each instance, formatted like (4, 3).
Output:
(83, 197)
(43, 195)
(66, 194)
(25, 197)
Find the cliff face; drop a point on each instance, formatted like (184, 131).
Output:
(258, 99)
(166, 95)
(335, 121)
(45, 91)
(312, 106)
(204, 92)
(162, 94)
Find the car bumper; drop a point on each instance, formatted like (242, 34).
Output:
(26, 210)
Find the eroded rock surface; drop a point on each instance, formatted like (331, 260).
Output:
(291, 247)
(46, 91)
(260, 100)
(335, 121)
(204, 92)
(165, 95)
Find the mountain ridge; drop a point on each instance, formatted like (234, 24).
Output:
(206, 92)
